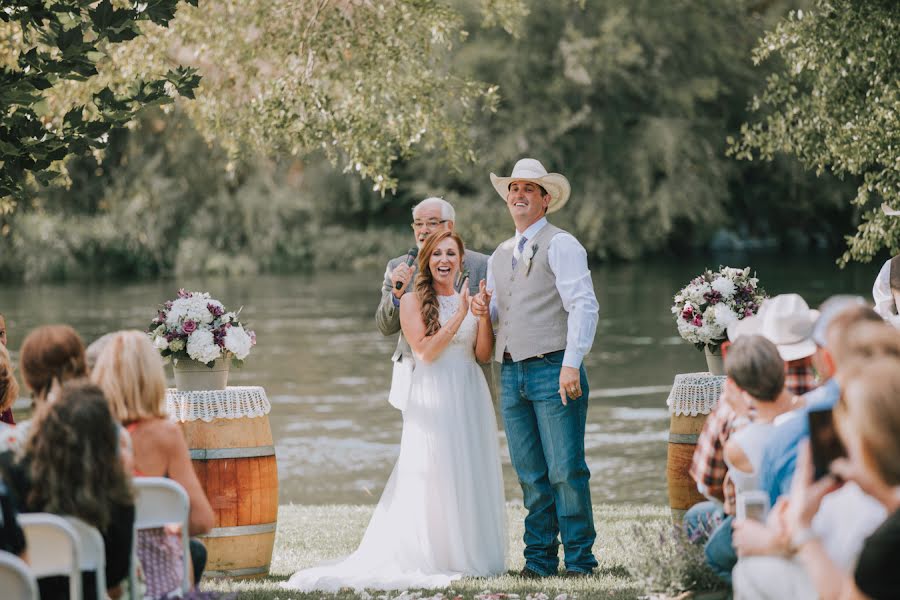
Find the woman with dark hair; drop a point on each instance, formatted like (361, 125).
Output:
(6, 414)
(442, 514)
(70, 467)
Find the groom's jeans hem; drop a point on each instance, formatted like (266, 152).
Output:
(546, 446)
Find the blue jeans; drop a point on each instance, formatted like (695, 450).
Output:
(707, 523)
(546, 445)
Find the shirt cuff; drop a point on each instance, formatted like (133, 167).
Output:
(395, 300)
(572, 358)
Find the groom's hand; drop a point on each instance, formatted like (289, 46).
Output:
(569, 384)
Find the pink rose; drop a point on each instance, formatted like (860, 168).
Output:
(189, 327)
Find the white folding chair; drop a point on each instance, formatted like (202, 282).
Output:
(53, 548)
(159, 502)
(16, 579)
(93, 553)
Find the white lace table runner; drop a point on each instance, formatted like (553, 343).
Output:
(695, 393)
(234, 402)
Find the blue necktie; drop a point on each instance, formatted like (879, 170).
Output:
(522, 241)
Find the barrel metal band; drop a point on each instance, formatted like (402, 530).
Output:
(682, 438)
(248, 452)
(263, 570)
(240, 530)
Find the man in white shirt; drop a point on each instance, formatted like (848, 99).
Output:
(544, 309)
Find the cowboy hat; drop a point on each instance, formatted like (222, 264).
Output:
(786, 321)
(529, 169)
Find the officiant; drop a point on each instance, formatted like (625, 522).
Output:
(430, 215)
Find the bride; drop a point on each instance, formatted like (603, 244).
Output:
(442, 514)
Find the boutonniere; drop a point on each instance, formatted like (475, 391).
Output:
(528, 255)
(460, 277)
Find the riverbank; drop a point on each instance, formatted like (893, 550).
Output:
(634, 546)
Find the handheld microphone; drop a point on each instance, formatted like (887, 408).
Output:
(410, 259)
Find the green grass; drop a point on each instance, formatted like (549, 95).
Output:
(310, 534)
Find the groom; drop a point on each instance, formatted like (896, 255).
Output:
(541, 299)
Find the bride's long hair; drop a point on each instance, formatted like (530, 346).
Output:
(425, 278)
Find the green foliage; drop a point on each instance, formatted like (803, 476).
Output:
(835, 105)
(53, 43)
(632, 102)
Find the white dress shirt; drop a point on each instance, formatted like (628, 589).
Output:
(884, 297)
(568, 261)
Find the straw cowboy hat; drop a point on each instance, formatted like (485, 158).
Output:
(786, 321)
(529, 169)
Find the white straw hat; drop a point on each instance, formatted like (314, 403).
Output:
(786, 320)
(529, 169)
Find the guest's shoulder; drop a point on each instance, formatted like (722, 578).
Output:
(476, 258)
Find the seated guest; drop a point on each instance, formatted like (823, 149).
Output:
(867, 417)
(70, 468)
(12, 539)
(845, 517)
(6, 414)
(756, 370)
(9, 387)
(779, 320)
(50, 356)
(130, 371)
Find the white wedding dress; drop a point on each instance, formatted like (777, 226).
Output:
(442, 514)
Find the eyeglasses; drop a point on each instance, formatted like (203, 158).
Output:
(430, 223)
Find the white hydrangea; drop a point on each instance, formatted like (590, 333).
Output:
(201, 346)
(238, 342)
(724, 315)
(190, 309)
(696, 292)
(725, 287)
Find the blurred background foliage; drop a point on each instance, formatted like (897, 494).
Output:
(632, 101)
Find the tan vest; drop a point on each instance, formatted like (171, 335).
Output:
(531, 319)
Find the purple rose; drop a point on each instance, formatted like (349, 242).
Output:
(216, 311)
(189, 327)
(713, 297)
(183, 294)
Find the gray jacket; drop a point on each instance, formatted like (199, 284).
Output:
(387, 317)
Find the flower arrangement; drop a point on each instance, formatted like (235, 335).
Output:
(705, 308)
(195, 326)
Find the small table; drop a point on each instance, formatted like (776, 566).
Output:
(232, 451)
(692, 398)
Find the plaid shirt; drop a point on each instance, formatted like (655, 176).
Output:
(708, 466)
(799, 376)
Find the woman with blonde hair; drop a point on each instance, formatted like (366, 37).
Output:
(867, 417)
(9, 387)
(130, 372)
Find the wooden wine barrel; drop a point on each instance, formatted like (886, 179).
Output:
(235, 462)
(683, 433)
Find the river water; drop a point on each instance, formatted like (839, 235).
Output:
(326, 369)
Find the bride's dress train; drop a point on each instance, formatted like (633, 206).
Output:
(442, 514)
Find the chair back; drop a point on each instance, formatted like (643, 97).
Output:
(53, 548)
(93, 553)
(159, 501)
(16, 579)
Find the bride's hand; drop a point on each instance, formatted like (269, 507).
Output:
(464, 298)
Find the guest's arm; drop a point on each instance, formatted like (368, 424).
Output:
(179, 468)
(429, 347)
(882, 294)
